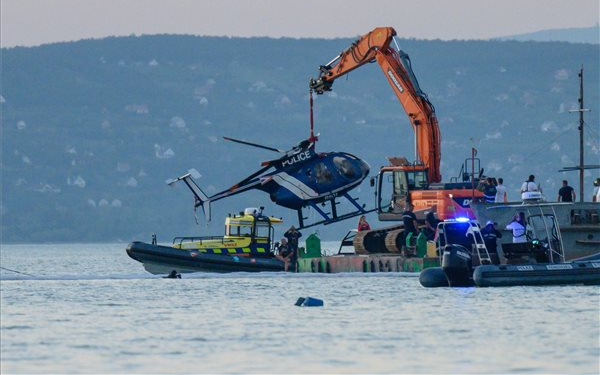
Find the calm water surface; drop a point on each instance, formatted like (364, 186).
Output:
(90, 309)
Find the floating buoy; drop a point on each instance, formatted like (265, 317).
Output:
(309, 302)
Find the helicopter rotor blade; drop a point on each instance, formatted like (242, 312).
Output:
(253, 144)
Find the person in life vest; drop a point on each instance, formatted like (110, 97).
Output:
(284, 253)
(529, 185)
(519, 228)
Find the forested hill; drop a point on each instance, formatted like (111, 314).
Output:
(572, 35)
(92, 129)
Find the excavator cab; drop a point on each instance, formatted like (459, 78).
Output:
(403, 182)
(394, 185)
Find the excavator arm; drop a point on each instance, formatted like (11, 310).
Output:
(396, 66)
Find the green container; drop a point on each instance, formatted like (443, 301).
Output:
(313, 247)
(421, 245)
(408, 240)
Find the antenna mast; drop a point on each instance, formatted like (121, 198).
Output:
(581, 165)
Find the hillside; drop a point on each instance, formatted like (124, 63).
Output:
(571, 35)
(92, 129)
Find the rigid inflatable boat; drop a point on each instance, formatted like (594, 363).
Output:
(245, 247)
(539, 260)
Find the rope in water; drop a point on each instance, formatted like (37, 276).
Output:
(22, 273)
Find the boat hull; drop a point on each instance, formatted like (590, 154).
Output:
(569, 273)
(433, 278)
(587, 273)
(158, 259)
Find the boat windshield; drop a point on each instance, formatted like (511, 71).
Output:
(543, 228)
(239, 231)
(262, 229)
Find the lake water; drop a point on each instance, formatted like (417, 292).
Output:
(90, 309)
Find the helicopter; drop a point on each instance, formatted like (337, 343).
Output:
(301, 178)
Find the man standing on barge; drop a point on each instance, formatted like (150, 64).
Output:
(566, 193)
(292, 236)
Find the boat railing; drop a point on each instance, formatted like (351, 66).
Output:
(348, 241)
(585, 216)
(199, 240)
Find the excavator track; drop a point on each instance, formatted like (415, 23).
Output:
(380, 241)
(394, 239)
(375, 240)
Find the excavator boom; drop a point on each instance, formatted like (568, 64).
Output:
(375, 46)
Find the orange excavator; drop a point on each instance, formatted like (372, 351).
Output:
(418, 182)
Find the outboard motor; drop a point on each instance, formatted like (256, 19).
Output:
(456, 263)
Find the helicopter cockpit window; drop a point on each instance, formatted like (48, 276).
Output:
(345, 167)
(323, 174)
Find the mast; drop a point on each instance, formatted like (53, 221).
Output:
(581, 165)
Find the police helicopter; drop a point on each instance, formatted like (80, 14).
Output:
(300, 178)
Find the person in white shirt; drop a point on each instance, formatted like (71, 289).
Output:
(519, 228)
(596, 195)
(529, 185)
(501, 195)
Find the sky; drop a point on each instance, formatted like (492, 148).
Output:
(35, 22)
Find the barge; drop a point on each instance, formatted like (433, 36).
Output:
(248, 246)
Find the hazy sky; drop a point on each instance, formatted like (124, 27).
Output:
(34, 22)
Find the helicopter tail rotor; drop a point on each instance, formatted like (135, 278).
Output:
(200, 198)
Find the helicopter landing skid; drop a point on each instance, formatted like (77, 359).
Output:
(334, 218)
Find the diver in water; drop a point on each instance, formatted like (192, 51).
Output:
(173, 275)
